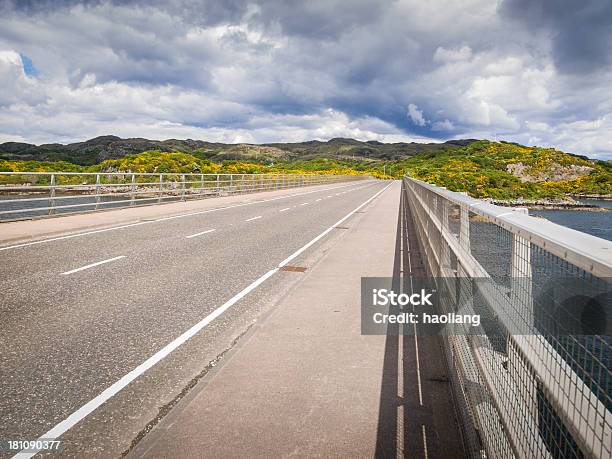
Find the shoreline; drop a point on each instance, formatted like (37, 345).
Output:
(551, 205)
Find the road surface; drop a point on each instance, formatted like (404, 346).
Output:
(81, 313)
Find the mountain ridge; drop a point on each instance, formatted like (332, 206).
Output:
(98, 149)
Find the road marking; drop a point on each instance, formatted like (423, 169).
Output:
(329, 196)
(59, 429)
(199, 234)
(253, 218)
(129, 225)
(304, 204)
(324, 233)
(318, 199)
(424, 441)
(72, 271)
(286, 208)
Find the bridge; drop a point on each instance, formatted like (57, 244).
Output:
(231, 326)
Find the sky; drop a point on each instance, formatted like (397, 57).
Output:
(537, 72)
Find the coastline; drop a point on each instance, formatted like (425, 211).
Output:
(548, 204)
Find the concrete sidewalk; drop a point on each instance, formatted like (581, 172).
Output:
(42, 228)
(305, 382)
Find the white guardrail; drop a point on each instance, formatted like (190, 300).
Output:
(532, 390)
(25, 195)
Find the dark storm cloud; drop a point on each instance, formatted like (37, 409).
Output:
(287, 70)
(581, 31)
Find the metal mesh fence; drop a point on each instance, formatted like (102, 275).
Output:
(536, 379)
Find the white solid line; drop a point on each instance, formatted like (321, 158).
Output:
(199, 234)
(299, 251)
(424, 441)
(59, 429)
(94, 403)
(253, 218)
(92, 265)
(129, 225)
(286, 208)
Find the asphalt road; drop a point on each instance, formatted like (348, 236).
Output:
(80, 313)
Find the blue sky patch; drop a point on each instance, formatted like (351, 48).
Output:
(28, 66)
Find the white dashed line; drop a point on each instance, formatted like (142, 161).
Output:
(199, 234)
(92, 265)
(286, 208)
(253, 218)
(304, 204)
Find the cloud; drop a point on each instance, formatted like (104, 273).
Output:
(416, 115)
(268, 70)
(444, 55)
(579, 33)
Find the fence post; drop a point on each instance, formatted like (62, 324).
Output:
(183, 187)
(133, 193)
(464, 227)
(242, 183)
(52, 196)
(218, 184)
(521, 277)
(161, 188)
(97, 191)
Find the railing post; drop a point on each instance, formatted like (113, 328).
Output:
(133, 190)
(218, 183)
(521, 276)
(183, 187)
(97, 191)
(253, 183)
(242, 184)
(161, 188)
(464, 228)
(52, 196)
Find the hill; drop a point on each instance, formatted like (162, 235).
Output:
(99, 149)
(503, 170)
(498, 170)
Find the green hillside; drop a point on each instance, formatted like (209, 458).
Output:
(484, 169)
(509, 171)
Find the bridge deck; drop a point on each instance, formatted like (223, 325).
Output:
(305, 382)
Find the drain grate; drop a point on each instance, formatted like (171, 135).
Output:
(294, 269)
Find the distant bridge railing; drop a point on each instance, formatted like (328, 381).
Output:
(536, 379)
(25, 195)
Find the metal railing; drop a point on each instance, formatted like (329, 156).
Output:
(536, 380)
(25, 195)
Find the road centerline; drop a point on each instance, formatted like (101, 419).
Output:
(201, 233)
(98, 263)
